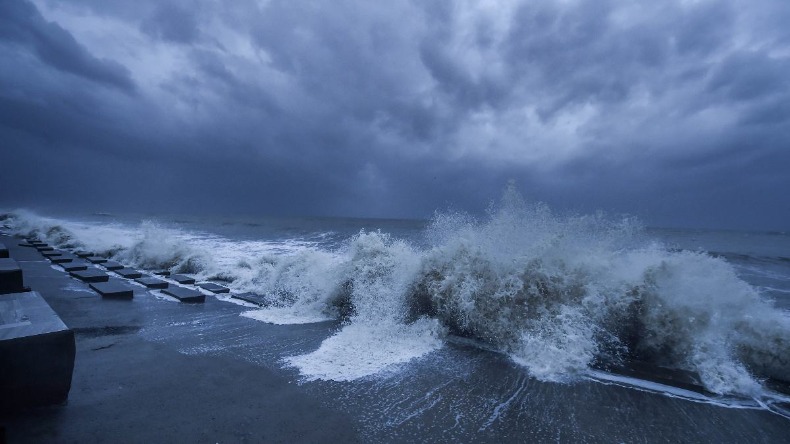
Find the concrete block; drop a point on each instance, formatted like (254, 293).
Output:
(214, 288)
(3, 251)
(182, 279)
(51, 253)
(115, 289)
(83, 254)
(96, 259)
(10, 277)
(152, 282)
(75, 265)
(162, 273)
(44, 247)
(252, 298)
(91, 275)
(35, 242)
(185, 294)
(129, 273)
(36, 353)
(26, 244)
(62, 259)
(112, 265)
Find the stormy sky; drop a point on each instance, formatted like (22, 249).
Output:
(674, 111)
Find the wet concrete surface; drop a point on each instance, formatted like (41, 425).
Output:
(131, 387)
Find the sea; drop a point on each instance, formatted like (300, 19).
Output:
(520, 324)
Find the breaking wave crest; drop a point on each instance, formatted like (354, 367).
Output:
(560, 295)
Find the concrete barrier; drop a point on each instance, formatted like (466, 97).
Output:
(252, 298)
(75, 265)
(152, 282)
(96, 259)
(112, 265)
(129, 273)
(91, 275)
(36, 353)
(11, 280)
(182, 279)
(114, 289)
(185, 294)
(214, 288)
(62, 259)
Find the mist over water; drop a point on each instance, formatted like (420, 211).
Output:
(560, 295)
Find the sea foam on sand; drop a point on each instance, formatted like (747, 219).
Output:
(364, 349)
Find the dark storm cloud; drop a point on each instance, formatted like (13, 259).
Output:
(172, 22)
(750, 75)
(676, 111)
(21, 23)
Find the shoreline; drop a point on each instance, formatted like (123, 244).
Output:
(155, 370)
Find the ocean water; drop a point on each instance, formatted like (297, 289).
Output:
(564, 298)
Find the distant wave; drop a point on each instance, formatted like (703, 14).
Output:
(560, 295)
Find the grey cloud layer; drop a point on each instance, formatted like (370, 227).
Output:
(676, 111)
(21, 24)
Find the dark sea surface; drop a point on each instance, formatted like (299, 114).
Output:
(520, 325)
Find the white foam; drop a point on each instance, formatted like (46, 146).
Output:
(671, 391)
(286, 316)
(362, 349)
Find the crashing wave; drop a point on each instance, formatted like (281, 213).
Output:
(560, 295)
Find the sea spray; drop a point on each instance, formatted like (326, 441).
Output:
(559, 294)
(378, 272)
(298, 286)
(525, 281)
(163, 248)
(100, 238)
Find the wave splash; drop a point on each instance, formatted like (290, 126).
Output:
(560, 295)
